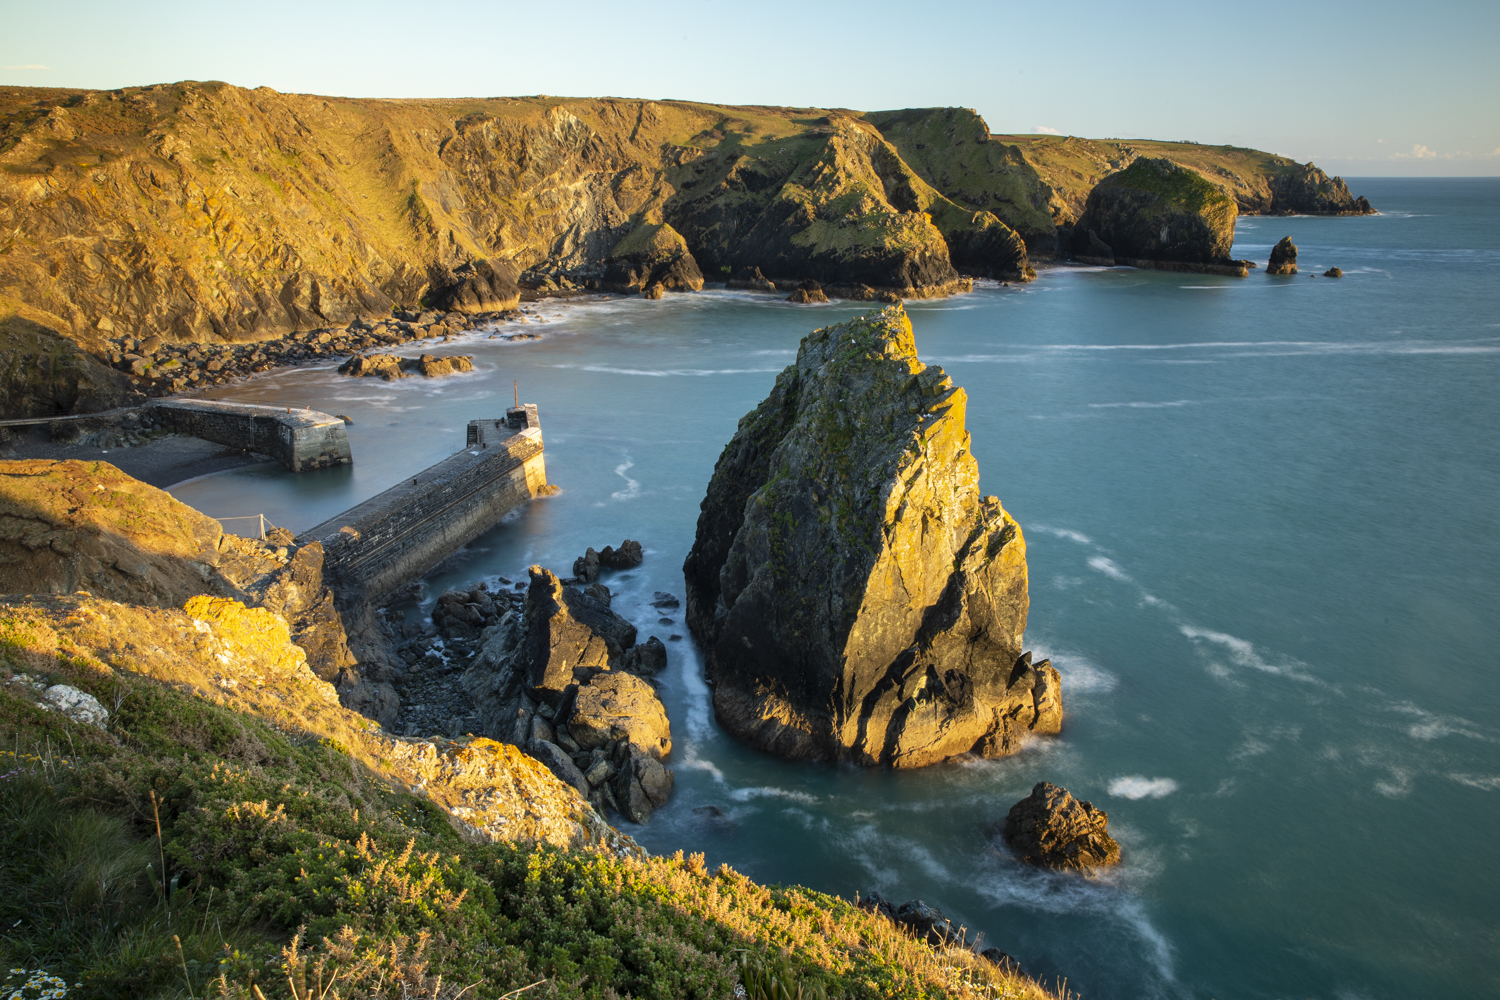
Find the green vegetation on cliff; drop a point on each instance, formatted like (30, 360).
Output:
(186, 810)
(268, 827)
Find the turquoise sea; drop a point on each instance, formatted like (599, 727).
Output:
(1263, 519)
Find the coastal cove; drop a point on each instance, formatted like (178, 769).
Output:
(1261, 538)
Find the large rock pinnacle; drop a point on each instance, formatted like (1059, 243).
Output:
(858, 599)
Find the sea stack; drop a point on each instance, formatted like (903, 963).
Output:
(1155, 213)
(857, 598)
(1283, 258)
(1051, 829)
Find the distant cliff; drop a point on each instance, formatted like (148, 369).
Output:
(209, 213)
(202, 211)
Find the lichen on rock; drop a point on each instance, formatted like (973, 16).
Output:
(857, 597)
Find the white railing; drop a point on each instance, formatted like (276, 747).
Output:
(261, 518)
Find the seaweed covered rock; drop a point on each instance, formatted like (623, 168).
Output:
(1052, 829)
(652, 256)
(1156, 213)
(858, 599)
(1283, 257)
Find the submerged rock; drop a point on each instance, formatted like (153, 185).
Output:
(1283, 257)
(1155, 213)
(1051, 829)
(857, 598)
(1333, 272)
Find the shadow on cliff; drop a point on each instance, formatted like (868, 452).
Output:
(43, 374)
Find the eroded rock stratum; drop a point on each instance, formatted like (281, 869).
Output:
(857, 597)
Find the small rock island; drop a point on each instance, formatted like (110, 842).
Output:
(857, 598)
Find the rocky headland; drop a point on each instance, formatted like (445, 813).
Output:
(1157, 214)
(857, 598)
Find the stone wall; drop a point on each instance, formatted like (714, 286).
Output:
(405, 531)
(298, 439)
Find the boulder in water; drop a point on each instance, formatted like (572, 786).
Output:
(1333, 272)
(858, 599)
(1284, 258)
(626, 556)
(1051, 829)
(808, 291)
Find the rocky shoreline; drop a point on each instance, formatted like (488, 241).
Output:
(161, 368)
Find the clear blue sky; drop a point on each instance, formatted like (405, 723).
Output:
(1375, 88)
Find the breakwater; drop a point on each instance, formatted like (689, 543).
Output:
(411, 527)
(298, 439)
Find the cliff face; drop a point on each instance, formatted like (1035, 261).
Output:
(1155, 210)
(858, 599)
(86, 526)
(952, 150)
(1260, 183)
(202, 211)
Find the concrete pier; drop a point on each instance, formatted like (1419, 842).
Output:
(411, 527)
(298, 439)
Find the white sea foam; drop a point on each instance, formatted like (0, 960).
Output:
(1134, 786)
(690, 761)
(1080, 675)
(632, 487)
(771, 792)
(1144, 406)
(1242, 653)
(1398, 786)
(1433, 726)
(1109, 569)
(1483, 782)
(1068, 533)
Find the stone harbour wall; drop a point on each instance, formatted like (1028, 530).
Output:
(298, 439)
(411, 527)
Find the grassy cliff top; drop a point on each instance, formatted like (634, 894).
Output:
(1073, 165)
(226, 829)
